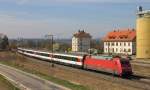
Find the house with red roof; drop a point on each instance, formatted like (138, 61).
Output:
(120, 42)
(81, 41)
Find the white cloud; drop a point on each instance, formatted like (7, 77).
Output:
(14, 27)
(11, 25)
(61, 28)
(28, 28)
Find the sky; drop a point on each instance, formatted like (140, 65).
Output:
(62, 18)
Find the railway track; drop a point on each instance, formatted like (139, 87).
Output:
(136, 81)
(145, 64)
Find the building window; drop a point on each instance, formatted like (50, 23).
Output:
(124, 43)
(120, 43)
(128, 43)
(108, 44)
(116, 49)
(112, 44)
(116, 43)
(112, 49)
(124, 50)
(129, 50)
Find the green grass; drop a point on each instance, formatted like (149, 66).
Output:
(5, 83)
(64, 83)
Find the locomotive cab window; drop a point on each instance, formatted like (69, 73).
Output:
(125, 63)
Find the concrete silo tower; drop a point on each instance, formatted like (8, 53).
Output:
(143, 34)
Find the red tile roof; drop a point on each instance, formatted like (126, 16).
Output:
(82, 34)
(121, 35)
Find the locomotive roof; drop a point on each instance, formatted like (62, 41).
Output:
(61, 54)
(75, 55)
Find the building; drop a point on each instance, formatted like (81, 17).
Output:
(120, 42)
(81, 41)
(143, 33)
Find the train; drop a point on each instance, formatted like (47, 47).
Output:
(113, 65)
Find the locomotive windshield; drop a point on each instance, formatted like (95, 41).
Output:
(125, 63)
(103, 57)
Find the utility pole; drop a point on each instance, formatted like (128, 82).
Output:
(50, 36)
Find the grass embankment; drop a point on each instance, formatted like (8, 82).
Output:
(6, 85)
(10, 61)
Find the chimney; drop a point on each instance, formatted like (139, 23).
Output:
(140, 9)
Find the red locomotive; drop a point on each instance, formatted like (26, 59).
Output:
(118, 66)
(115, 65)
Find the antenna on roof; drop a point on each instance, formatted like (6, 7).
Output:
(140, 8)
(79, 30)
(83, 30)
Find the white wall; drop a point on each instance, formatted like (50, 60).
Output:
(122, 47)
(74, 44)
(80, 44)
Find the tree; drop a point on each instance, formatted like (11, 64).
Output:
(64, 47)
(56, 47)
(4, 43)
(98, 45)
